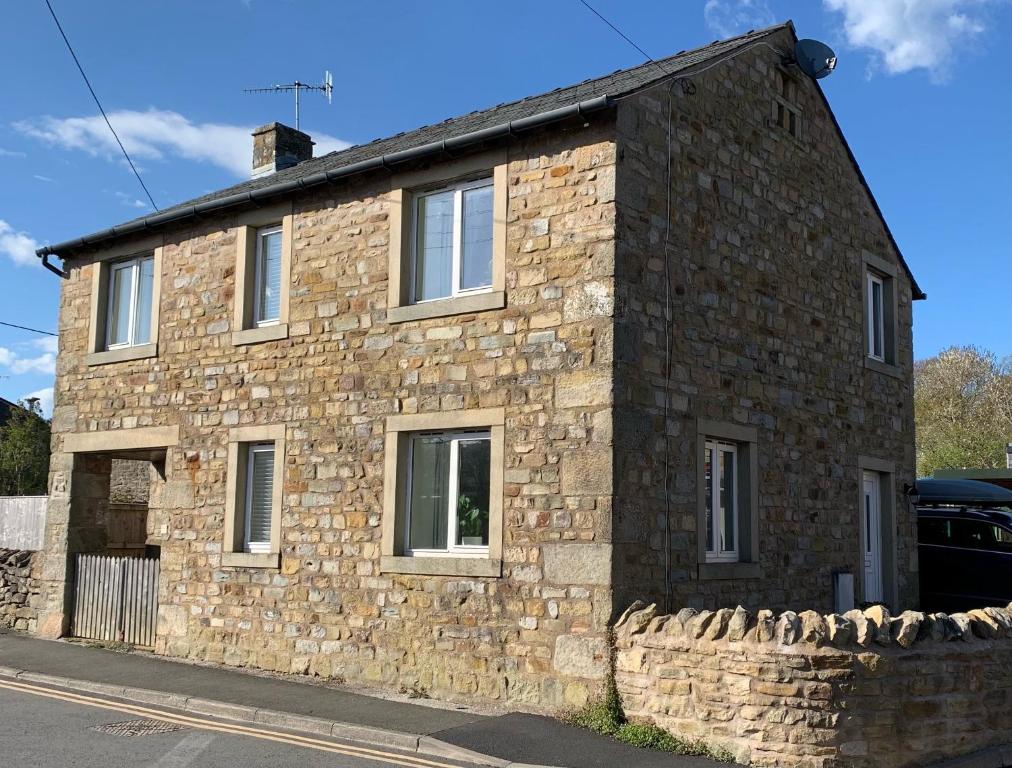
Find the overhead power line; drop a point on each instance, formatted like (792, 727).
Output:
(99, 103)
(26, 328)
(621, 34)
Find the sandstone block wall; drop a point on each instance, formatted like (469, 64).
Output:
(19, 590)
(759, 237)
(534, 636)
(863, 690)
(129, 482)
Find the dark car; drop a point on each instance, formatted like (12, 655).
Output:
(964, 544)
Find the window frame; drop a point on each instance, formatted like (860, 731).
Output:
(458, 188)
(98, 351)
(453, 549)
(394, 554)
(134, 265)
(250, 546)
(246, 325)
(745, 439)
(238, 476)
(876, 326)
(404, 188)
(258, 274)
(874, 270)
(718, 554)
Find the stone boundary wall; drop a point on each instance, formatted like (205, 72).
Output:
(806, 690)
(19, 590)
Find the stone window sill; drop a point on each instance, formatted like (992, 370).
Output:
(478, 302)
(885, 368)
(718, 571)
(105, 357)
(250, 559)
(260, 335)
(441, 566)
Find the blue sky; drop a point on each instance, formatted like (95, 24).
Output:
(921, 91)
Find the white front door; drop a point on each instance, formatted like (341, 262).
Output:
(871, 537)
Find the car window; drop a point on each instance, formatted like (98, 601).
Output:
(978, 534)
(934, 530)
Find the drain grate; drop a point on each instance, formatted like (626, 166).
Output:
(137, 727)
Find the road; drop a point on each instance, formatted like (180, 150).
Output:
(46, 727)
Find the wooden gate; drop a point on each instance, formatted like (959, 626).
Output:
(116, 598)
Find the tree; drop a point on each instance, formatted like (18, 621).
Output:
(962, 410)
(24, 452)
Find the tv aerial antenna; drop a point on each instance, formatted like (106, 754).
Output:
(326, 87)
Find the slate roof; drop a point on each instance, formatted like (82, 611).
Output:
(618, 83)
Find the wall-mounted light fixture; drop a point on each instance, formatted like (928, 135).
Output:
(912, 493)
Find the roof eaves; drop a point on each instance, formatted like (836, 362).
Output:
(386, 161)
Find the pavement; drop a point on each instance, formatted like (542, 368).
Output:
(99, 735)
(458, 734)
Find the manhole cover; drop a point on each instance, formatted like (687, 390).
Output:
(137, 727)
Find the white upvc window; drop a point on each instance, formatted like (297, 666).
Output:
(267, 277)
(876, 317)
(129, 297)
(259, 497)
(452, 241)
(447, 501)
(722, 503)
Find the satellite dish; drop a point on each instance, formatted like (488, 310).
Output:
(815, 59)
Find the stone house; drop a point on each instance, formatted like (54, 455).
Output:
(434, 409)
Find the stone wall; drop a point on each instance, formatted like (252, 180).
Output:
(759, 236)
(19, 590)
(129, 481)
(862, 690)
(534, 636)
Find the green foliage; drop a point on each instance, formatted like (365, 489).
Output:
(470, 517)
(605, 716)
(598, 716)
(962, 410)
(24, 452)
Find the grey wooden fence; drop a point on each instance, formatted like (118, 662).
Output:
(22, 521)
(116, 598)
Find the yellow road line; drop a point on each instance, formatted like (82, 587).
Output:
(210, 725)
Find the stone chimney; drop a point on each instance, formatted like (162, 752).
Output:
(276, 146)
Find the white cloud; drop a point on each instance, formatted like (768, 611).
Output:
(40, 177)
(728, 18)
(47, 344)
(17, 246)
(158, 135)
(11, 153)
(130, 201)
(912, 34)
(45, 397)
(16, 364)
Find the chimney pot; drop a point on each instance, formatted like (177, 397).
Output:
(277, 146)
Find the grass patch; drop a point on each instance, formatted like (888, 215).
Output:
(605, 716)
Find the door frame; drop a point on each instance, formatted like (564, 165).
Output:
(886, 471)
(871, 534)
